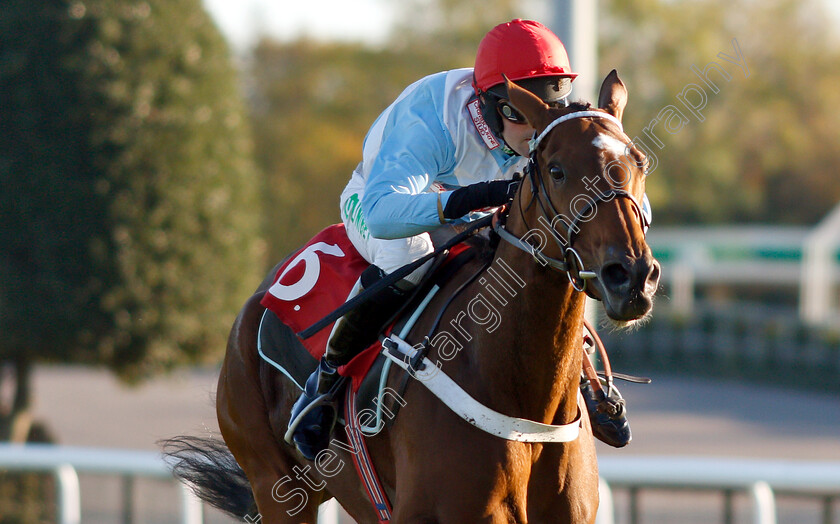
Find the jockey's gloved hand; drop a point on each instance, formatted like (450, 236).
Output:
(479, 196)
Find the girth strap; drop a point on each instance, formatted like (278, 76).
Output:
(364, 465)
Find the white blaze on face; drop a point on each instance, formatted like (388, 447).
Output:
(610, 143)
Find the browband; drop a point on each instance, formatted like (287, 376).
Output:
(534, 142)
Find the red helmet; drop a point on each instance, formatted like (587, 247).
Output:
(520, 49)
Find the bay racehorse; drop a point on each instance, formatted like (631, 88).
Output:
(574, 228)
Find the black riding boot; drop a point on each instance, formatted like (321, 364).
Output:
(607, 414)
(314, 414)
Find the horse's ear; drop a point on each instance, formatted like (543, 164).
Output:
(527, 103)
(613, 96)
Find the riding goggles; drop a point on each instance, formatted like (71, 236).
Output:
(509, 113)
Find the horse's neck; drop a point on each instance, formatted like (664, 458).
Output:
(534, 364)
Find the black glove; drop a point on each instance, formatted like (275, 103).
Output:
(478, 196)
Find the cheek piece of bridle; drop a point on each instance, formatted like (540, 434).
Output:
(571, 264)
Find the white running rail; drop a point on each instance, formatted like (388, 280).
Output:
(66, 462)
(757, 477)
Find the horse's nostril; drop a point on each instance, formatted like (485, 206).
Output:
(653, 276)
(615, 276)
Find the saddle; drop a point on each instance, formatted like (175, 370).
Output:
(279, 346)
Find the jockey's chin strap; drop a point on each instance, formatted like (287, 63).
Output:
(571, 264)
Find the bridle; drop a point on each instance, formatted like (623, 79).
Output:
(571, 264)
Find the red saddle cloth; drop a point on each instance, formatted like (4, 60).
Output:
(313, 283)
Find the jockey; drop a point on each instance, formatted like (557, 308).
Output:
(448, 145)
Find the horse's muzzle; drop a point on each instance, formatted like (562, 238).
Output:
(628, 286)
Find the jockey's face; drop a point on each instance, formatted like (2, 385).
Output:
(517, 136)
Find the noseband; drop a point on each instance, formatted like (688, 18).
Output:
(572, 264)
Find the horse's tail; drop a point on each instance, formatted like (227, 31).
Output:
(208, 467)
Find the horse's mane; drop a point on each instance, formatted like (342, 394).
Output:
(482, 242)
(579, 105)
(485, 244)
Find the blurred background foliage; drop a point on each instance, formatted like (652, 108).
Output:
(147, 183)
(129, 196)
(769, 146)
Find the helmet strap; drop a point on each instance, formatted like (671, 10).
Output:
(493, 119)
(490, 114)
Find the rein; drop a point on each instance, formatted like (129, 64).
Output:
(393, 277)
(571, 264)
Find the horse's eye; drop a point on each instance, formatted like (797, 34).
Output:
(557, 172)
